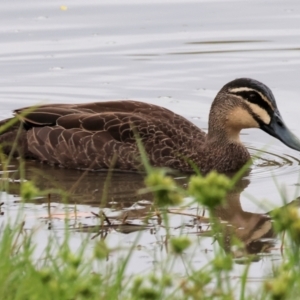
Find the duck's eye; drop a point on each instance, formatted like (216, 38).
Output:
(252, 96)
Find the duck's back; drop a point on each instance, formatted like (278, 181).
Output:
(103, 135)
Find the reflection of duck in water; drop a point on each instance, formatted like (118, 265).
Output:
(90, 136)
(255, 230)
(87, 188)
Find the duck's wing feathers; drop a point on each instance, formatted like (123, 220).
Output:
(48, 114)
(96, 135)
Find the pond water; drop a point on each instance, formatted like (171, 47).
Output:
(173, 53)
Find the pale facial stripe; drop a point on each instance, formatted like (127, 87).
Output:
(245, 89)
(260, 112)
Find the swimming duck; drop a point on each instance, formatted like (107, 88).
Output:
(102, 135)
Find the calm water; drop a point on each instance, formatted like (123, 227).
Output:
(177, 54)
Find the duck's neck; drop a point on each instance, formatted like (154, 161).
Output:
(221, 124)
(222, 150)
(222, 155)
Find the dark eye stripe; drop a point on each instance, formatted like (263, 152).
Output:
(257, 99)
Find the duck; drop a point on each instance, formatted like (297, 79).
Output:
(103, 135)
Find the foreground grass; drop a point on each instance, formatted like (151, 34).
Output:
(64, 273)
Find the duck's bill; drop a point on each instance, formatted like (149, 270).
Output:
(279, 130)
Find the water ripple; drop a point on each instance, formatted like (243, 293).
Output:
(272, 163)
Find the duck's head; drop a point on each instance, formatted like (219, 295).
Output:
(248, 103)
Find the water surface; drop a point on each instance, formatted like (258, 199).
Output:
(177, 54)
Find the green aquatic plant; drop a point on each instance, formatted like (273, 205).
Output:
(179, 244)
(209, 190)
(287, 219)
(29, 190)
(166, 191)
(63, 273)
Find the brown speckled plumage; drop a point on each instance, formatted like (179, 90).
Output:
(101, 135)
